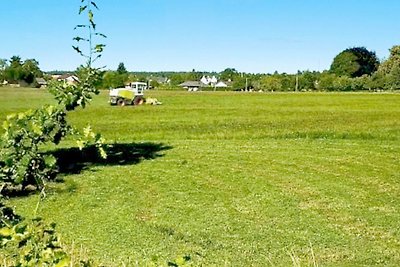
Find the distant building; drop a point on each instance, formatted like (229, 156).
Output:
(160, 80)
(207, 80)
(221, 84)
(41, 83)
(68, 78)
(192, 85)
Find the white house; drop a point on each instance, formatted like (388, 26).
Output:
(207, 80)
(221, 84)
(68, 78)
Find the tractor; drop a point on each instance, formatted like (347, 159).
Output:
(132, 94)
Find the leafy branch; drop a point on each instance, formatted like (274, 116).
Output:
(21, 162)
(93, 52)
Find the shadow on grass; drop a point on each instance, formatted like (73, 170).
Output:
(74, 161)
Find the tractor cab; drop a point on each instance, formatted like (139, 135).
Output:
(137, 87)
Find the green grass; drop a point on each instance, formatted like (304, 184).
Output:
(248, 180)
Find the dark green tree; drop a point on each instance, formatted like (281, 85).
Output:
(307, 80)
(121, 68)
(14, 72)
(229, 74)
(355, 62)
(31, 70)
(32, 66)
(15, 61)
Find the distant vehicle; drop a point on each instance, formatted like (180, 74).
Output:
(132, 94)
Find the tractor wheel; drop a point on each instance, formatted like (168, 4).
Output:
(121, 102)
(138, 100)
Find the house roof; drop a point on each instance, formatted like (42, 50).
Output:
(221, 84)
(41, 81)
(66, 76)
(192, 84)
(159, 79)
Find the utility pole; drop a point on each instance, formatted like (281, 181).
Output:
(246, 85)
(297, 82)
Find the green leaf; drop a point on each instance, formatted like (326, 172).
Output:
(81, 144)
(81, 9)
(6, 232)
(100, 34)
(94, 4)
(11, 116)
(78, 39)
(65, 262)
(20, 228)
(6, 125)
(103, 153)
(80, 26)
(87, 131)
(50, 161)
(99, 48)
(50, 110)
(90, 15)
(21, 116)
(37, 129)
(97, 57)
(77, 50)
(9, 162)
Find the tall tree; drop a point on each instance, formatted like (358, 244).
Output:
(14, 72)
(389, 70)
(355, 62)
(392, 62)
(15, 61)
(229, 74)
(31, 70)
(121, 68)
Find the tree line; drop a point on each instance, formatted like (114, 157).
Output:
(353, 69)
(17, 71)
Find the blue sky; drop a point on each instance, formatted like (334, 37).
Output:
(258, 36)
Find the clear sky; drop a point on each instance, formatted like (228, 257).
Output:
(258, 36)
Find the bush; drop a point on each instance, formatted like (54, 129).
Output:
(21, 163)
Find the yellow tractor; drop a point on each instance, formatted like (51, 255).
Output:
(132, 94)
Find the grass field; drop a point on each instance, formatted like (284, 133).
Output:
(233, 179)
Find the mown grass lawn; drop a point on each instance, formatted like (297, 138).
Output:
(234, 179)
